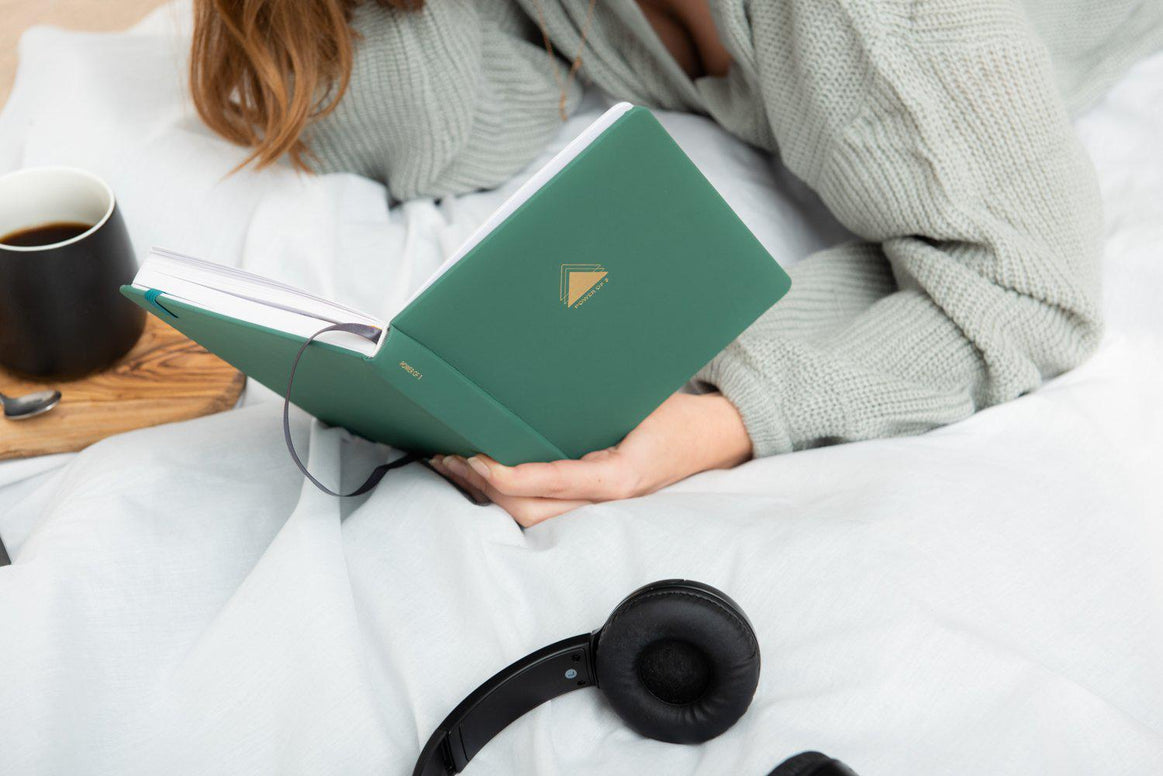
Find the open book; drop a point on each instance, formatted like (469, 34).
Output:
(602, 284)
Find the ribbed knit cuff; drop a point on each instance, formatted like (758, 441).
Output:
(757, 399)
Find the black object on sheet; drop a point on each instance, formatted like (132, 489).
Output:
(703, 659)
(812, 764)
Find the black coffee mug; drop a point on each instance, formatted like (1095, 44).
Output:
(64, 253)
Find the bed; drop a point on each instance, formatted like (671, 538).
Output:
(986, 598)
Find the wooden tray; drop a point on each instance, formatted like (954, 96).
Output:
(166, 377)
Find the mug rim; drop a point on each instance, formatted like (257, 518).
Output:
(61, 168)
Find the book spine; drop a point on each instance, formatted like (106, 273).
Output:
(460, 404)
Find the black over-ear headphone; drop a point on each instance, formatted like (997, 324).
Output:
(678, 660)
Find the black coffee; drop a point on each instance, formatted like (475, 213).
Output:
(45, 234)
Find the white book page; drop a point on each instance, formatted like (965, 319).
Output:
(246, 285)
(245, 297)
(528, 189)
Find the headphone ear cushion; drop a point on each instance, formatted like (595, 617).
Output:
(811, 764)
(678, 665)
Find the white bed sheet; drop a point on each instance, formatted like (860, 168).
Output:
(983, 599)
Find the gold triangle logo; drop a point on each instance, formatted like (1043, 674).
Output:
(579, 280)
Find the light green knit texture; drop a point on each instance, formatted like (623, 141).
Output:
(936, 130)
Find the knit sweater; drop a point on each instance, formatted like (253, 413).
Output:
(936, 130)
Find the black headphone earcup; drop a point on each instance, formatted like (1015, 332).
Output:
(678, 664)
(811, 764)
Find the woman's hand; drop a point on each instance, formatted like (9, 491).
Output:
(684, 436)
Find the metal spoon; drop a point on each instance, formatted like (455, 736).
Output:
(29, 405)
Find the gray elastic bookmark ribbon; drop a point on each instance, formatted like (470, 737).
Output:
(360, 330)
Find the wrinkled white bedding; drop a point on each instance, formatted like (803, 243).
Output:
(983, 599)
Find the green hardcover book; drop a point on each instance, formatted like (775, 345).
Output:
(601, 287)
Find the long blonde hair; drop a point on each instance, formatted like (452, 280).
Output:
(262, 70)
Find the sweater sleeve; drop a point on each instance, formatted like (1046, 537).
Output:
(934, 131)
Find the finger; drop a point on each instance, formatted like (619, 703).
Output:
(439, 465)
(458, 468)
(601, 476)
(526, 510)
(460, 486)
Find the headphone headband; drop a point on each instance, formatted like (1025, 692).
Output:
(547, 673)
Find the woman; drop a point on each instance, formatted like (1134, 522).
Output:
(936, 130)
